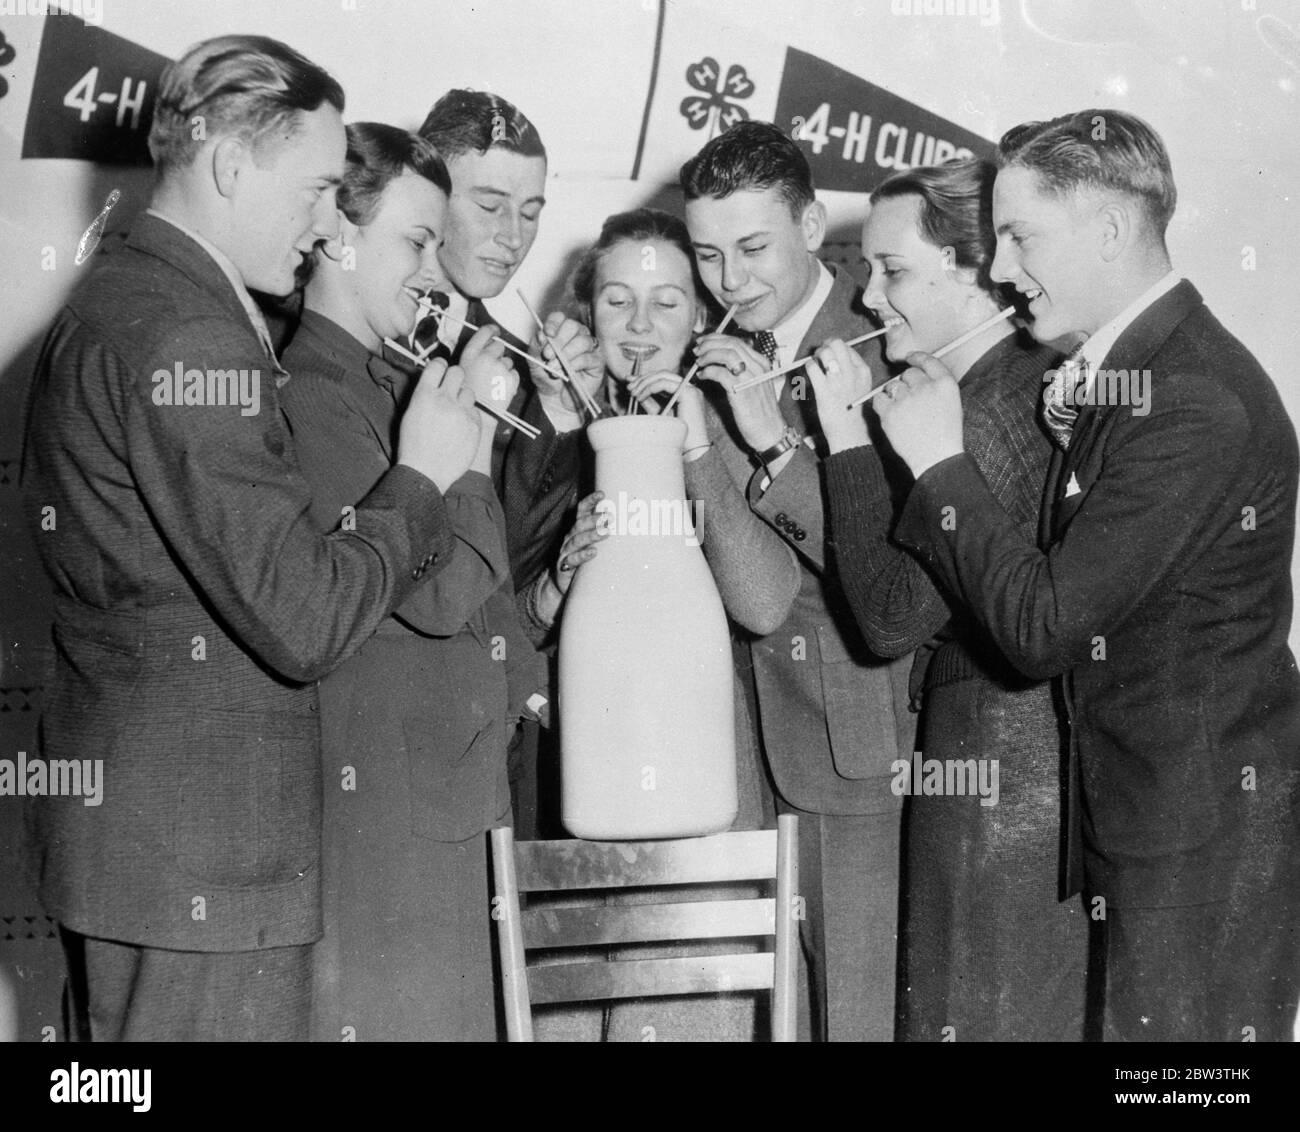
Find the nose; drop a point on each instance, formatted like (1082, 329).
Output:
(325, 217)
(734, 275)
(511, 232)
(873, 298)
(638, 319)
(1002, 269)
(432, 277)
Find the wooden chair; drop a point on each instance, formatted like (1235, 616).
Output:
(560, 866)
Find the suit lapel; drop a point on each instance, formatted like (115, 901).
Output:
(1132, 350)
(842, 315)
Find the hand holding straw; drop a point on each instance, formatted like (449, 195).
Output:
(960, 340)
(750, 382)
(514, 349)
(585, 399)
(509, 418)
(690, 373)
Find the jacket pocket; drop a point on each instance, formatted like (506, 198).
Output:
(247, 800)
(859, 704)
(458, 776)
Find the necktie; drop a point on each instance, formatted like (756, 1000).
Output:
(1059, 399)
(278, 371)
(764, 341)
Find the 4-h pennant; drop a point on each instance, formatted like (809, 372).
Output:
(854, 132)
(93, 95)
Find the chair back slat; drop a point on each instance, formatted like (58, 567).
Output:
(545, 866)
(641, 978)
(560, 866)
(648, 923)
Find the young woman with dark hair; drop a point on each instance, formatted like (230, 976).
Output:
(415, 724)
(987, 951)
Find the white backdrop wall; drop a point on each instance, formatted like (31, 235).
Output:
(1218, 79)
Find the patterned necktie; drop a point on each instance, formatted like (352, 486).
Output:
(1059, 405)
(764, 341)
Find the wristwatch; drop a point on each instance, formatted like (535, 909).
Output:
(789, 441)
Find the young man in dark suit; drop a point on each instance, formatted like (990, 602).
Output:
(195, 601)
(833, 717)
(497, 164)
(1162, 595)
(498, 173)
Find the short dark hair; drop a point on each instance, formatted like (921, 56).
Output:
(377, 154)
(246, 85)
(750, 156)
(1097, 149)
(464, 120)
(956, 201)
(637, 226)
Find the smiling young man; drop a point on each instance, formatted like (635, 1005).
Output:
(1163, 595)
(498, 175)
(833, 717)
(498, 179)
(195, 602)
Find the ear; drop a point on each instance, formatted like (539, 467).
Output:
(229, 157)
(813, 223)
(966, 276)
(1116, 228)
(347, 233)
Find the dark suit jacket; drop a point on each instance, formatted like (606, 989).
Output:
(195, 601)
(539, 481)
(1164, 597)
(455, 664)
(834, 717)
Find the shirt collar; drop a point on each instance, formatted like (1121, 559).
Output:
(449, 332)
(231, 272)
(350, 355)
(1098, 345)
(792, 330)
(336, 343)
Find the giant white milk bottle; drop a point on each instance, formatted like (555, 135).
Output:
(647, 729)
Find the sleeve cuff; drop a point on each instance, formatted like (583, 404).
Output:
(408, 507)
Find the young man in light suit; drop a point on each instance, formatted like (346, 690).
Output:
(833, 717)
(1163, 597)
(195, 601)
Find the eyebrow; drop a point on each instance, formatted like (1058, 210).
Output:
(628, 286)
(741, 240)
(493, 191)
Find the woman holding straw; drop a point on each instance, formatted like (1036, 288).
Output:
(414, 725)
(988, 952)
(638, 290)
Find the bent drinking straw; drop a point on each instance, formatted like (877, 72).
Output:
(960, 340)
(750, 382)
(690, 373)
